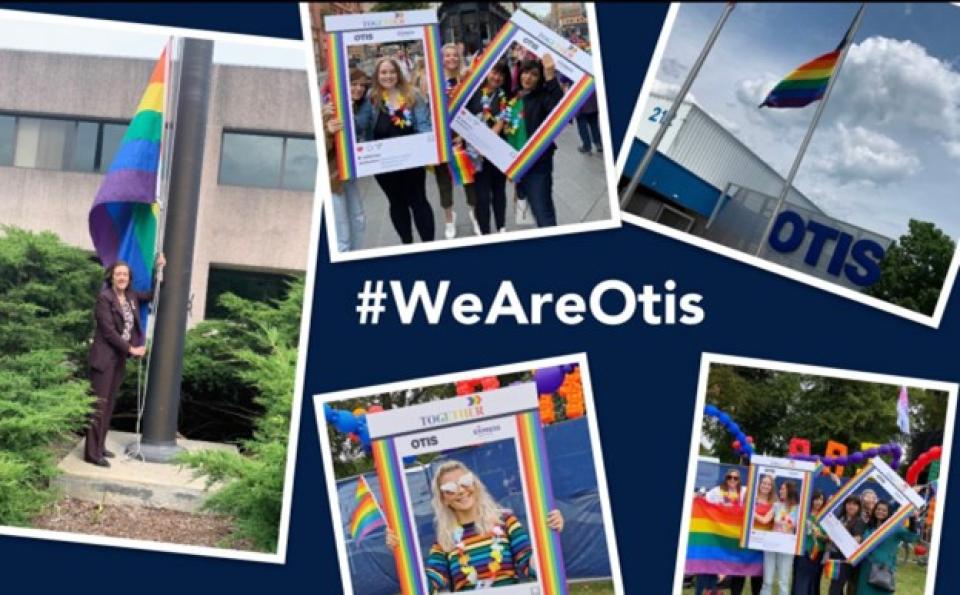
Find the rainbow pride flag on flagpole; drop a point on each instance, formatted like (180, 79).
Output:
(123, 219)
(808, 83)
(366, 516)
(713, 546)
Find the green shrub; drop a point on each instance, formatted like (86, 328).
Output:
(256, 350)
(47, 291)
(40, 403)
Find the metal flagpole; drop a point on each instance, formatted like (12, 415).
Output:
(166, 362)
(848, 41)
(678, 100)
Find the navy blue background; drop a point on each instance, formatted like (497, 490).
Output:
(644, 378)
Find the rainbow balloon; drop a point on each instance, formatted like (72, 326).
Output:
(390, 473)
(533, 452)
(123, 218)
(551, 127)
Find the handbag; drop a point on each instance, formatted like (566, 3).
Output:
(881, 577)
(523, 213)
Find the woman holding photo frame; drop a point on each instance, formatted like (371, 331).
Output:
(491, 183)
(399, 110)
(478, 544)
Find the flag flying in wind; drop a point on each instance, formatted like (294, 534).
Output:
(123, 219)
(366, 516)
(808, 83)
(903, 411)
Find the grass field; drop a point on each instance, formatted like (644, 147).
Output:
(911, 580)
(592, 588)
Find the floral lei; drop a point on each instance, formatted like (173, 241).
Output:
(511, 115)
(401, 117)
(486, 101)
(496, 554)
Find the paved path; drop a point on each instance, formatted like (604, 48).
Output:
(579, 188)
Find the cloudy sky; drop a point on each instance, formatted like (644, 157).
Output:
(888, 146)
(22, 31)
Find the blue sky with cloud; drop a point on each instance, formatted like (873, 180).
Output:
(888, 146)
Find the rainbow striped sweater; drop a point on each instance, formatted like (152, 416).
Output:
(500, 557)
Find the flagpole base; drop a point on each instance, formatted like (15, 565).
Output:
(164, 452)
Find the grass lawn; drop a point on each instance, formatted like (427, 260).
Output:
(911, 579)
(592, 588)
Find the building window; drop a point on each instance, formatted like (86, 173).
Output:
(59, 143)
(251, 285)
(675, 219)
(268, 161)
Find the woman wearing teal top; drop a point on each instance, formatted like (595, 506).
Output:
(886, 551)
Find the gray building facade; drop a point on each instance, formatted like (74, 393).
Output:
(62, 116)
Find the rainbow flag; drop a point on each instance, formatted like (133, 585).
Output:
(462, 166)
(831, 569)
(366, 516)
(714, 542)
(123, 219)
(808, 83)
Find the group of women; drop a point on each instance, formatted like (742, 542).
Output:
(389, 104)
(777, 509)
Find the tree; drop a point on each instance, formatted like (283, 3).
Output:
(774, 407)
(914, 269)
(398, 6)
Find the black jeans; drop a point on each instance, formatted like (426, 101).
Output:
(537, 186)
(806, 576)
(588, 125)
(406, 191)
(491, 186)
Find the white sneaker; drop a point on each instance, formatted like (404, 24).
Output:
(503, 230)
(476, 226)
(450, 228)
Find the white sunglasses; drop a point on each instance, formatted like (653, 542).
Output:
(452, 487)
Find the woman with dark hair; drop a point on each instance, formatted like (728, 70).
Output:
(399, 110)
(491, 184)
(850, 517)
(117, 336)
(883, 558)
(807, 566)
(538, 94)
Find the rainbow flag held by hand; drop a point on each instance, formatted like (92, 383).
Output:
(462, 166)
(123, 219)
(366, 516)
(714, 542)
(831, 569)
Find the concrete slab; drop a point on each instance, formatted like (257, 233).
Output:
(135, 483)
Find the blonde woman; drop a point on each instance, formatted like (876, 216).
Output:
(478, 545)
(399, 110)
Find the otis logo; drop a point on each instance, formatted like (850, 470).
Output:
(473, 409)
(424, 442)
(790, 229)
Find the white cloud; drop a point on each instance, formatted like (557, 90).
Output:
(858, 154)
(952, 148)
(670, 90)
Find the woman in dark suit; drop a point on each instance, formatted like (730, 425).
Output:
(118, 335)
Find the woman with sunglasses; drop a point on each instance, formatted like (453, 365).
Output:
(478, 545)
(730, 493)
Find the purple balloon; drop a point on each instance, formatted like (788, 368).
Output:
(548, 379)
(568, 368)
(828, 461)
(856, 458)
(870, 452)
(885, 449)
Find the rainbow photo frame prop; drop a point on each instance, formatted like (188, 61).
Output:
(572, 63)
(510, 413)
(880, 475)
(802, 474)
(347, 35)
